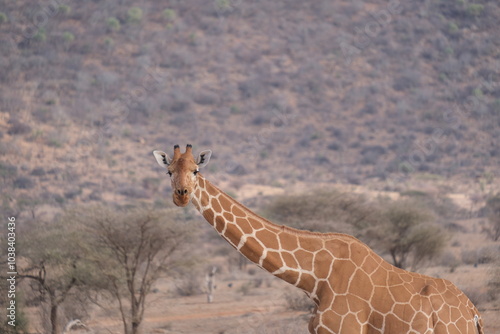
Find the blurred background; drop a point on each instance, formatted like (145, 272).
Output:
(323, 115)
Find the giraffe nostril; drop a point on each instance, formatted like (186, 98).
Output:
(181, 192)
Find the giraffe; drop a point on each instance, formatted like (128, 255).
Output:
(354, 289)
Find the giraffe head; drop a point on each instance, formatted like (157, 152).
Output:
(183, 170)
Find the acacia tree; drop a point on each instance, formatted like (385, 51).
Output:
(55, 265)
(403, 231)
(322, 211)
(132, 248)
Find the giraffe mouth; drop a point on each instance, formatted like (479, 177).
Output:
(181, 200)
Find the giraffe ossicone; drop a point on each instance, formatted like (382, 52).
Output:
(354, 289)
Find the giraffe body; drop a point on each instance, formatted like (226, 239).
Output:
(354, 289)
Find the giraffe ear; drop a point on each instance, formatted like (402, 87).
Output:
(203, 158)
(163, 159)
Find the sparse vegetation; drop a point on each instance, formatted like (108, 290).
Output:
(64, 9)
(68, 37)
(3, 18)
(24, 182)
(189, 285)
(7, 171)
(494, 283)
(169, 15)
(475, 9)
(453, 28)
(18, 128)
(40, 36)
(492, 228)
(134, 15)
(113, 24)
(298, 301)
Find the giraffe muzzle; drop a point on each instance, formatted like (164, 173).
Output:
(181, 197)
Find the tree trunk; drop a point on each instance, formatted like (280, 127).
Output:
(53, 318)
(135, 327)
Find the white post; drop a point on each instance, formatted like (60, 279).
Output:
(210, 278)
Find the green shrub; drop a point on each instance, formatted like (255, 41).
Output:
(223, 5)
(68, 37)
(169, 15)
(235, 110)
(134, 15)
(109, 43)
(113, 24)
(478, 93)
(452, 28)
(40, 35)
(3, 18)
(475, 9)
(496, 106)
(64, 9)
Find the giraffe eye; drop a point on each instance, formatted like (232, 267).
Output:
(195, 172)
(169, 173)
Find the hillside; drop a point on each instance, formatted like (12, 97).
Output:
(344, 92)
(380, 98)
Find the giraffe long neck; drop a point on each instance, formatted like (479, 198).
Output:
(278, 249)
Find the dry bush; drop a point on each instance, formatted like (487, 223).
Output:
(371, 154)
(409, 79)
(437, 203)
(246, 288)
(476, 296)
(206, 98)
(322, 210)
(43, 115)
(18, 128)
(469, 256)
(298, 301)
(492, 227)
(448, 259)
(7, 171)
(486, 254)
(189, 285)
(133, 192)
(494, 283)
(24, 182)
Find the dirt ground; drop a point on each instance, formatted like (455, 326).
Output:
(256, 310)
